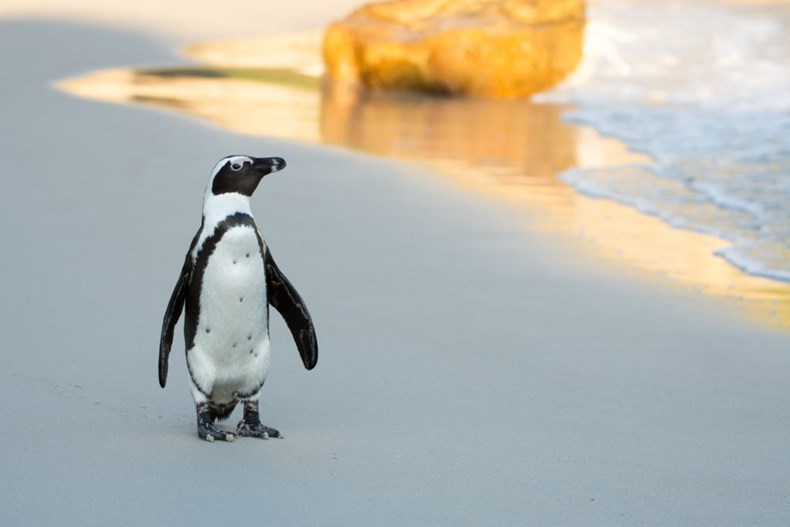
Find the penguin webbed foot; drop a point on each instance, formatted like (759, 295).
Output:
(251, 426)
(207, 429)
(259, 430)
(210, 433)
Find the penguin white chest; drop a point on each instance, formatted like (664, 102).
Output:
(231, 352)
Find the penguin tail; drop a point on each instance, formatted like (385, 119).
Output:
(220, 412)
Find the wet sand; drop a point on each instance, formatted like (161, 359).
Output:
(510, 151)
(471, 371)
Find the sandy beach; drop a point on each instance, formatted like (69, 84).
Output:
(472, 371)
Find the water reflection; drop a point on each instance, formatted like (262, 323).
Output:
(511, 150)
(480, 132)
(479, 142)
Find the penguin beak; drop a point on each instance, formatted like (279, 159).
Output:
(267, 165)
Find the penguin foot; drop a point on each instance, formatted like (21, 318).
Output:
(251, 425)
(246, 429)
(207, 429)
(210, 433)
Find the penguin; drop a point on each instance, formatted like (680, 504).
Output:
(226, 285)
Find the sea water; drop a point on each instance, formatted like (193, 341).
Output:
(704, 89)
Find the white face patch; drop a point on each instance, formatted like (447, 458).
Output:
(234, 161)
(218, 207)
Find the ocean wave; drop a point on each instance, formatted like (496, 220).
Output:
(704, 89)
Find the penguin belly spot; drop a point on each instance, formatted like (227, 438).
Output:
(230, 358)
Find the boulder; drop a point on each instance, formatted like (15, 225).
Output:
(488, 48)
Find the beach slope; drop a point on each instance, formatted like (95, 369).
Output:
(471, 371)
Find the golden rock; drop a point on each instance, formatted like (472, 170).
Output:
(487, 48)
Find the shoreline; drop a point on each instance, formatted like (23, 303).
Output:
(608, 229)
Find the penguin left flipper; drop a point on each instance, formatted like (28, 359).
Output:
(283, 296)
(174, 308)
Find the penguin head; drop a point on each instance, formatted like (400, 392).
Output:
(241, 174)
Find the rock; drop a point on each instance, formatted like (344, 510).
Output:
(489, 48)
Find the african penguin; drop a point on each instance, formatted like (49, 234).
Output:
(228, 280)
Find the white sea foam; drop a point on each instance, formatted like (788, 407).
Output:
(704, 88)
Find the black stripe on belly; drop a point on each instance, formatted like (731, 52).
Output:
(192, 308)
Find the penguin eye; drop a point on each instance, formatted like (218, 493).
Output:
(235, 167)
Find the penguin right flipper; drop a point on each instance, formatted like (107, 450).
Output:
(283, 296)
(174, 308)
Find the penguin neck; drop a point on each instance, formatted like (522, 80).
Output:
(218, 207)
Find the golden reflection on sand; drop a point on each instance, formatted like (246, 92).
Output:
(510, 150)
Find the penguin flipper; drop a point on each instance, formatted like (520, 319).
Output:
(285, 299)
(174, 308)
